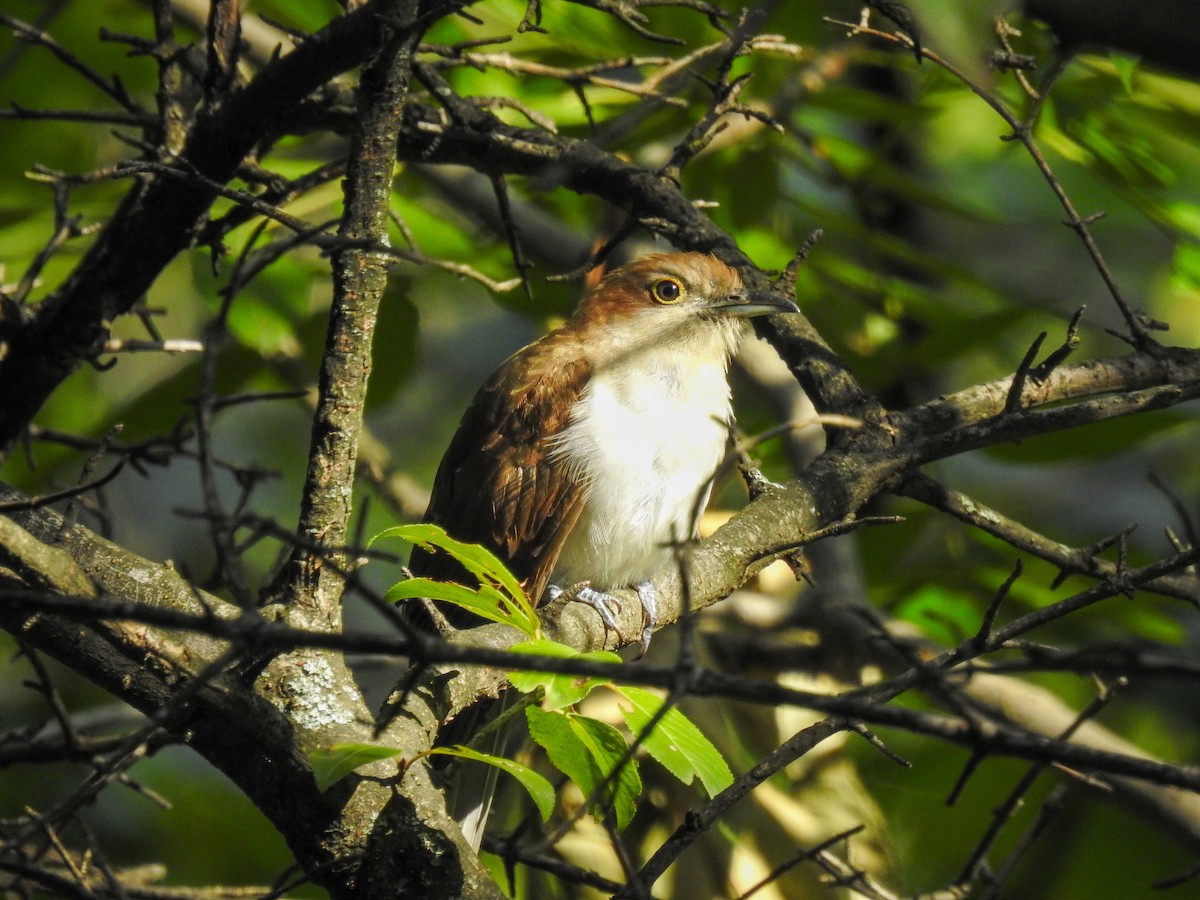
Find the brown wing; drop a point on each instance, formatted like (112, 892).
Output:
(497, 484)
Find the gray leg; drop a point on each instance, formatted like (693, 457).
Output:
(606, 605)
(649, 597)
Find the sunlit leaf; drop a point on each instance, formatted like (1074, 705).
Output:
(561, 691)
(478, 560)
(675, 741)
(485, 602)
(332, 764)
(586, 751)
(539, 789)
(499, 597)
(1125, 67)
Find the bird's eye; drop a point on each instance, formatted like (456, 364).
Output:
(668, 290)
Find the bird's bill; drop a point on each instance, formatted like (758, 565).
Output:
(748, 303)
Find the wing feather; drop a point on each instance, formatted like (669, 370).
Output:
(499, 483)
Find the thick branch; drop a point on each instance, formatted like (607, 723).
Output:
(375, 834)
(836, 487)
(248, 740)
(146, 666)
(412, 847)
(157, 219)
(476, 138)
(1091, 378)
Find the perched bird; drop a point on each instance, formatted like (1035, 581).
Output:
(590, 452)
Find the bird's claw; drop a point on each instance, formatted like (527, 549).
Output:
(649, 597)
(606, 605)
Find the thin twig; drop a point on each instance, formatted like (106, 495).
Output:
(46, 499)
(1022, 131)
(112, 89)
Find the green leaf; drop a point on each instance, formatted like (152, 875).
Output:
(485, 602)
(675, 741)
(1183, 216)
(1125, 67)
(479, 561)
(331, 764)
(942, 614)
(540, 790)
(1185, 264)
(561, 690)
(607, 747)
(586, 751)
(500, 597)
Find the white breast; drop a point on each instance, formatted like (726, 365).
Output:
(645, 437)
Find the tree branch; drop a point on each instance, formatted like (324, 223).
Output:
(158, 217)
(257, 733)
(359, 279)
(1162, 32)
(1070, 560)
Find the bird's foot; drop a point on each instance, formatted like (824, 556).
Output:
(605, 605)
(649, 597)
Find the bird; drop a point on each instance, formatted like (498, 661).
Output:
(589, 454)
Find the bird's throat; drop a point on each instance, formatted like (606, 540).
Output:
(645, 437)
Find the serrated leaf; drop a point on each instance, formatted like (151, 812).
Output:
(552, 732)
(608, 748)
(586, 751)
(539, 789)
(331, 764)
(561, 691)
(675, 741)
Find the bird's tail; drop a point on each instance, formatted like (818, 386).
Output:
(472, 787)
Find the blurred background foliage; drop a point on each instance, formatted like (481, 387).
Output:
(943, 256)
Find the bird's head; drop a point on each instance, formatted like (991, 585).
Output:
(675, 297)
